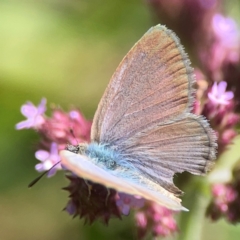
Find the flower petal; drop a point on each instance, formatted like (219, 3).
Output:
(42, 155)
(222, 87)
(125, 209)
(54, 149)
(23, 124)
(39, 167)
(228, 95)
(28, 110)
(42, 106)
(214, 90)
(52, 172)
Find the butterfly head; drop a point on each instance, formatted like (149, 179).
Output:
(78, 149)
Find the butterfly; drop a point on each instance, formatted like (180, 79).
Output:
(143, 131)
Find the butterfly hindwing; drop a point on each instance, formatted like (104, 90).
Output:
(186, 144)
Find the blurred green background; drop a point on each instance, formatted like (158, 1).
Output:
(66, 51)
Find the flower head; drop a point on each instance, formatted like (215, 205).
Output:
(223, 195)
(66, 128)
(34, 115)
(225, 202)
(225, 30)
(225, 47)
(55, 132)
(91, 201)
(218, 94)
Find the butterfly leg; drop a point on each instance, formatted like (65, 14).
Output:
(89, 188)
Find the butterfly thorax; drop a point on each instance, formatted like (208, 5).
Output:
(100, 153)
(103, 155)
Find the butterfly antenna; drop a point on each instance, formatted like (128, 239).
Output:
(39, 177)
(71, 131)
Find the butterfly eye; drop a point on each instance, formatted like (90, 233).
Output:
(112, 164)
(73, 148)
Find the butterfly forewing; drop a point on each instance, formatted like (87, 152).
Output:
(152, 85)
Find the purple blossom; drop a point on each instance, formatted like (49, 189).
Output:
(225, 30)
(218, 94)
(33, 115)
(48, 159)
(157, 219)
(125, 202)
(226, 45)
(70, 208)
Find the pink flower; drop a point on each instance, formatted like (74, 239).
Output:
(226, 46)
(218, 94)
(225, 30)
(223, 195)
(55, 132)
(157, 219)
(125, 202)
(33, 115)
(225, 202)
(64, 128)
(228, 135)
(164, 223)
(48, 159)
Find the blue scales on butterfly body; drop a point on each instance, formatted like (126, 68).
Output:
(103, 155)
(107, 158)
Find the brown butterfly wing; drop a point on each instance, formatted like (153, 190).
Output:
(145, 112)
(152, 85)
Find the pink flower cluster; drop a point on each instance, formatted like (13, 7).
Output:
(225, 202)
(220, 110)
(88, 200)
(157, 218)
(55, 132)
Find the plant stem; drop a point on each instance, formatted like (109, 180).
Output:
(191, 223)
